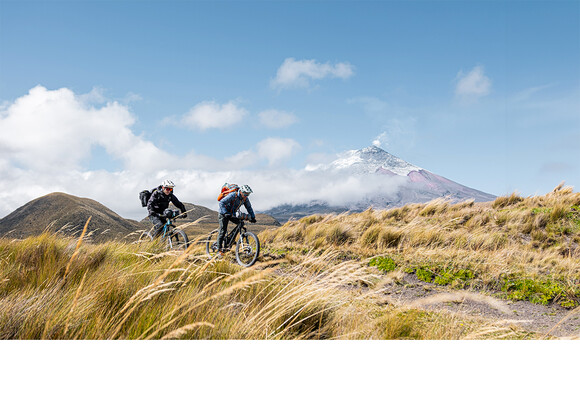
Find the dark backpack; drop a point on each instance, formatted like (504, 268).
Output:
(144, 196)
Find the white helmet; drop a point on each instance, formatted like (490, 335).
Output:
(246, 190)
(168, 184)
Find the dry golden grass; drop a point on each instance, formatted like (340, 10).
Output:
(313, 281)
(512, 244)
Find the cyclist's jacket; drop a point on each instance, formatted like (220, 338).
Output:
(159, 202)
(232, 202)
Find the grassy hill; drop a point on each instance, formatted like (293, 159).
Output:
(321, 277)
(67, 214)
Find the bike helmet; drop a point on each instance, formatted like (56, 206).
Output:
(246, 190)
(168, 184)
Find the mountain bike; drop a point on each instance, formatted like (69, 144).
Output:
(247, 244)
(175, 238)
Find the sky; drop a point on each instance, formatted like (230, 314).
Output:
(102, 99)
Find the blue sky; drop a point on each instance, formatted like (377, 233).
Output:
(95, 94)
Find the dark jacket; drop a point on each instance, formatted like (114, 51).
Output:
(232, 202)
(159, 202)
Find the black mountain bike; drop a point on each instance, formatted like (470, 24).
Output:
(175, 238)
(247, 244)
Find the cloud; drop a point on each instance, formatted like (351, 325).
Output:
(209, 114)
(55, 129)
(47, 137)
(380, 139)
(275, 150)
(473, 85)
(298, 73)
(277, 119)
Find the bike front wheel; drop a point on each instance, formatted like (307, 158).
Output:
(247, 249)
(211, 245)
(177, 240)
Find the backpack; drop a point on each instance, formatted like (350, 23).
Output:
(144, 196)
(227, 189)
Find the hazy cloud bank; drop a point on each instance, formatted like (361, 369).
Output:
(47, 138)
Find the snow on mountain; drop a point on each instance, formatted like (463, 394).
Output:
(390, 182)
(370, 160)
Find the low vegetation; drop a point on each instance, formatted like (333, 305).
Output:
(320, 277)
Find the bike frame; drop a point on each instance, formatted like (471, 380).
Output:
(168, 227)
(233, 234)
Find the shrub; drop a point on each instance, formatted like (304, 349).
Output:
(383, 263)
(540, 291)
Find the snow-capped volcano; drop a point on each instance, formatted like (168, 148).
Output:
(370, 160)
(372, 177)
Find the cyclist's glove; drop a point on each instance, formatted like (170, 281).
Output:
(184, 215)
(168, 213)
(253, 220)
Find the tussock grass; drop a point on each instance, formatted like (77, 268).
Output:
(320, 277)
(534, 239)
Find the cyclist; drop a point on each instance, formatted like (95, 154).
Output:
(229, 205)
(158, 204)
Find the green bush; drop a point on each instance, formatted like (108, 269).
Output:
(541, 291)
(383, 263)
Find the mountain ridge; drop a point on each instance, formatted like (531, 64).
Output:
(414, 185)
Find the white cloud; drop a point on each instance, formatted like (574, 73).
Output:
(209, 114)
(46, 139)
(299, 73)
(472, 85)
(277, 119)
(380, 139)
(277, 149)
(47, 130)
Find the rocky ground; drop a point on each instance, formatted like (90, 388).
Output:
(552, 320)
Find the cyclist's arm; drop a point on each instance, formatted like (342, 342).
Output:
(248, 206)
(177, 203)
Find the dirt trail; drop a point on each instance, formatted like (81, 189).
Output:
(558, 321)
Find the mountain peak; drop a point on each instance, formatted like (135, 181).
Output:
(373, 149)
(372, 159)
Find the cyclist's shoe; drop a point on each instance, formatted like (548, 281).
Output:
(221, 253)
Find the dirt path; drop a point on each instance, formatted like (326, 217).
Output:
(552, 319)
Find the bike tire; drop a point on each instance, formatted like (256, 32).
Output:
(247, 249)
(177, 240)
(211, 247)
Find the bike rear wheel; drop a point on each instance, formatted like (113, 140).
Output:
(211, 245)
(247, 249)
(177, 240)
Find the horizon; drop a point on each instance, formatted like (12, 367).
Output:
(486, 94)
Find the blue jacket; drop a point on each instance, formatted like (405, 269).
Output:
(232, 202)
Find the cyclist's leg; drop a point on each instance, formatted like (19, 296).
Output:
(223, 220)
(157, 225)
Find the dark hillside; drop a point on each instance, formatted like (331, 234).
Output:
(66, 214)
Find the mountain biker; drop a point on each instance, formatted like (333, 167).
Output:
(229, 205)
(158, 204)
